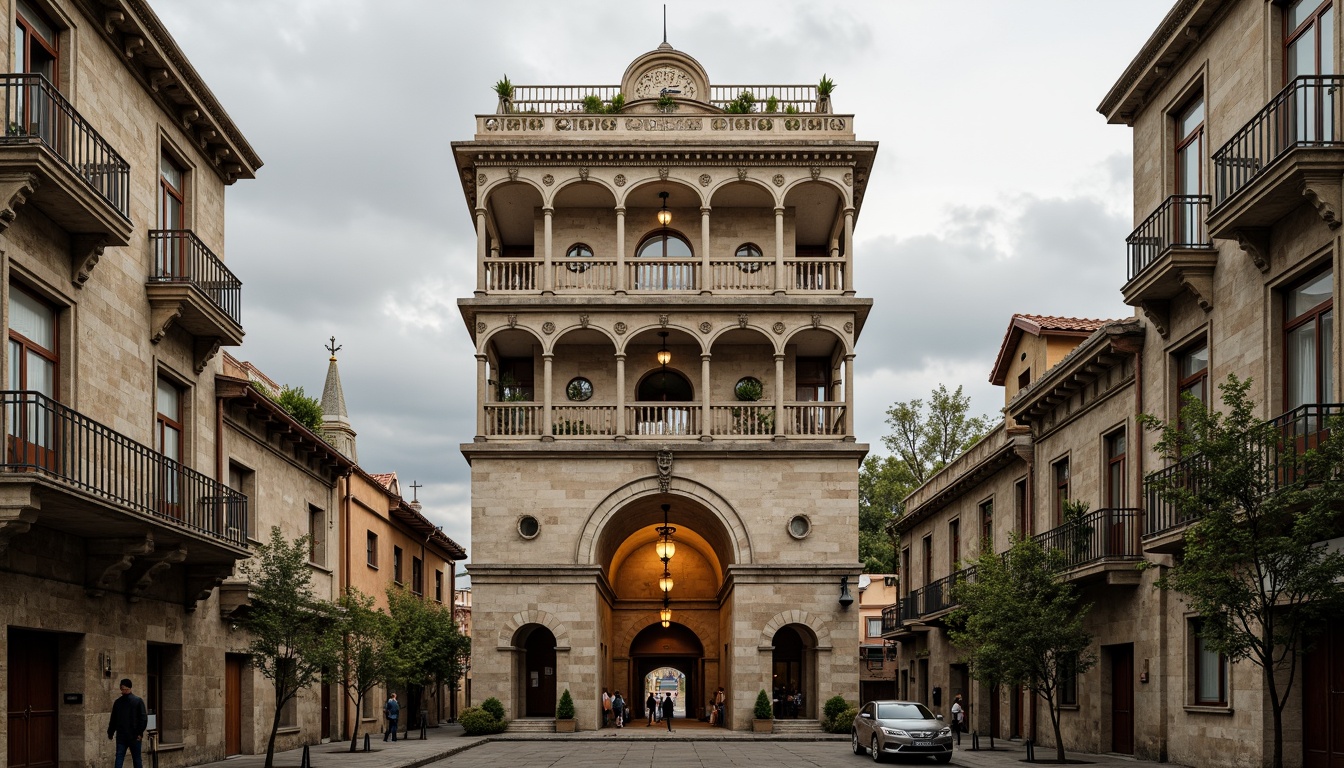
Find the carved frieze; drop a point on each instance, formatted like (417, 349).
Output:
(650, 85)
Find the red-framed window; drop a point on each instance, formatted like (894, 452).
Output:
(1059, 472)
(1117, 490)
(1308, 339)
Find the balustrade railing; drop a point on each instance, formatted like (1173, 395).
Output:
(34, 109)
(512, 275)
(663, 275)
(512, 419)
(564, 99)
(572, 275)
(1102, 534)
(752, 274)
(1306, 113)
(1177, 223)
(579, 420)
(742, 419)
(659, 419)
(46, 438)
(816, 274)
(814, 419)
(180, 257)
(1277, 463)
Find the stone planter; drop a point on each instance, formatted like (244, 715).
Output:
(762, 726)
(565, 726)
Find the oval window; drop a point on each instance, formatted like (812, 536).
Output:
(749, 389)
(800, 526)
(580, 258)
(528, 527)
(579, 389)
(749, 251)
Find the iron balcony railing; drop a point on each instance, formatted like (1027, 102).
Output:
(1304, 114)
(181, 257)
(891, 616)
(1296, 432)
(46, 438)
(936, 596)
(34, 109)
(1177, 223)
(1103, 534)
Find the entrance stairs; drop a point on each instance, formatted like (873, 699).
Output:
(532, 725)
(798, 727)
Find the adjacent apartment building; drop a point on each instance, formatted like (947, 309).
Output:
(1233, 268)
(664, 471)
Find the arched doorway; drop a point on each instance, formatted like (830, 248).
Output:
(538, 671)
(793, 673)
(676, 648)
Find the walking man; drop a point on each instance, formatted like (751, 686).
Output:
(606, 708)
(391, 711)
(958, 716)
(651, 704)
(668, 708)
(720, 702)
(127, 724)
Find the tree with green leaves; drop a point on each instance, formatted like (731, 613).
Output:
(424, 646)
(363, 661)
(1022, 625)
(292, 635)
(1263, 496)
(923, 439)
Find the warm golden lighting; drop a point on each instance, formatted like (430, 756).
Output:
(665, 549)
(664, 215)
(666, 616)
(665, 583)
(664, 357)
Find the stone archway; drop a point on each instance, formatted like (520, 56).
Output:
(675, 646)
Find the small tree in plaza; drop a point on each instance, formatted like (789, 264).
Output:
(1021, 625)
(293, 636)
(1264, 496)
(423, 646)
(363, 662)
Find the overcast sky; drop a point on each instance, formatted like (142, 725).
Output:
(997, 187)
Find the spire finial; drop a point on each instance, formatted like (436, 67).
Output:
(415, 491)
(332, 348)
(664, 23)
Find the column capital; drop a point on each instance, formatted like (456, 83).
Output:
(705, 357)
(779, 211)
(550, 210)
(482, 211)
(704, 210)
(481, 357)
(848, 210)
(779, 357)
(849, 358)
(547, 356)
(620, 210)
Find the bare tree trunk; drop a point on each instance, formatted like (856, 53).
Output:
(275, 726)
(354, 732)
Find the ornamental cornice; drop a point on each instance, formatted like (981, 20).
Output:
(684, 159)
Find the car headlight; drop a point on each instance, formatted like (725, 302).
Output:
(896, 732)
(945, 732)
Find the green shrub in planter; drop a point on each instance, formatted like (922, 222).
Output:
(477, 722)
(832, 709)
(493, 706)
(565, 709)
(843, 722)
(762, 711)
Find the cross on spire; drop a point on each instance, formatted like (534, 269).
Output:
(332, 348)
(415, 488)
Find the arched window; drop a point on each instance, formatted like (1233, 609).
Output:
(579, 258)
(662, 386)
(751, 255)
(676, 276)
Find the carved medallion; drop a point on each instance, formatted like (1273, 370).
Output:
(741, 174)
(664, 469)
(620, 179)
(705, 327)
(849, 179)
(778, 328)
(816, 172)
(778, 179)
(548, 327)
(742, 320)
(480, 180)
(620, 329)
(705, 179)
(583, 173)
(548, 179)
(480, 327)
(650, 85)
(849, 327)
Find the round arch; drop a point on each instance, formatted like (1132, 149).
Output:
(794, 336)
(637, 194)
(483, 341)
(711, 192)
(567, 184)
(736, 332)
(484, 195)
(817, 631)
(582, 330)
(840, 190)
(641, 335)
(718, 520)
(513, 630)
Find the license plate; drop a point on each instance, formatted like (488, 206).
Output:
(923, 743)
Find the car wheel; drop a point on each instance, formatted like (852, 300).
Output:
(876, 750)
(944, 758)
(854, 742)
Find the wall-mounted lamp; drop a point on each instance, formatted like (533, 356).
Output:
(664, 215)
(105, 663)
(846, 599)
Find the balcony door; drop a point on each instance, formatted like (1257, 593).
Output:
(665, 263)
(172, 200)
(32, 111)
(33, 365)
(1309, 53)
(169, 443)
(1190, 152)
(1309, 342)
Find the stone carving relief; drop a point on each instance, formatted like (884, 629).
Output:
(548, 179)
(816, 172)
(778, 179)
(513, 174)
(651, 84)
(849, 179)
(583, 321)
(741, 174)
(705, 179)
(662, 320)
(620, 179)
(480, 327)
(548, 327)
(663, 173)
(664, 469)
(705, 327)
(513, 321)
(778, 328)
(849, 327)
(816, 321)
(620, 329)
(480, 180)
(583, 173)
(742, 320)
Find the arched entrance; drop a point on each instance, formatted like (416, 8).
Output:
(537, 668)
(677, 648)
(793, 673)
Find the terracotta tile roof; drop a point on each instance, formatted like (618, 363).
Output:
(1036, 325)
(384, 479)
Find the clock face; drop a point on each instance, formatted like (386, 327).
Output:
(651, 84)
(579, 389)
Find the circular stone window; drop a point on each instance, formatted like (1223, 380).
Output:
(749, 389)
(528, 527)
(579, 389)
(800, 527)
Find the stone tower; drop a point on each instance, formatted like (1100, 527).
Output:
(664, 324)
(335, 420)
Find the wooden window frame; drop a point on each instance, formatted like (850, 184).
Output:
(928, 559)
(1197, 675)
(1312, 25)
(1196, 135)
(1022, 504)
(1186, 383)
(987, 524)
(1116, 465)
(1324, 354)
(52, 47)
(953, 543)
(396, 565)
(371, 550)
(417, 576)
(1060, 483)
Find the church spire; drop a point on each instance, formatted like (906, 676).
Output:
(335, 419)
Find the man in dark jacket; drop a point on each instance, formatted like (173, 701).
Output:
(669, 707)
(392, 711)
(127, 724)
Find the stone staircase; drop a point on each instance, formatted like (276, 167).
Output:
(532, 725)
(798, 727)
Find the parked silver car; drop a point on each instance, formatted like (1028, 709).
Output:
(884, 728)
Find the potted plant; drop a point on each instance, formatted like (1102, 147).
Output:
(564, 714)
(504, 90)
(764, 721)
(824, 88)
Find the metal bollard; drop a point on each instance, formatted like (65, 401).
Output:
(975, 741)
(366, 742)
(306, 760)
(991, 741)
(1031, 751)
(424, 725)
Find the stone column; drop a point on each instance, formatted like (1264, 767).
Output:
(481, 237)
(779, 251)
(779, 396)
(548, 279)
(849, 251)
(706, 277)
(482, 397)
(849, 397)
(620, 249)
(620, 396)
(705, 411)
(546, 422)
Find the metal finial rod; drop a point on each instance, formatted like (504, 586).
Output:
(415, 490)
(664, 22)
(332, 348)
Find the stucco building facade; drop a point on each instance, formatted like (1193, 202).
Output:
(664, 322)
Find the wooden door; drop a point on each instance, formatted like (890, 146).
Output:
(233, 705)
(994, 712)
(1323, 701)
(540, 674)
(32, 700)
(1015, 712)
(1122, 699)
(326, 710)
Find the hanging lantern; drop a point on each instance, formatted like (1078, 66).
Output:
(664, 215)
(665, 582)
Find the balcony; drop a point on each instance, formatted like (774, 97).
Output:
(1291, 152)
(1297, 432)
(661, 420)
(801, 275)
(1169, 253)
(1100, 545)
(139, 511)
(191, 288)
(51, 157)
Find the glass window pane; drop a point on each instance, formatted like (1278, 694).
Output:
(1302, 56)
(37, 22)
(1302, 365)
(1327, 26)
(1300, 11)
(1327, 357)
(1189, 162)
(15, 365)
(1210, 678)
(31, 319)
(171, 173)
(1192, 118)
(1313, 294)
(169, 404)
(678, 248)
(41, 375)
(172, 440)
(1194, 361)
